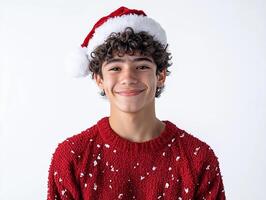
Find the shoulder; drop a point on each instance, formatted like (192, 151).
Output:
(72, 147)
(194, 148)
(198, 155)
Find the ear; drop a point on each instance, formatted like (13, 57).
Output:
(98, 80)
(161, 76)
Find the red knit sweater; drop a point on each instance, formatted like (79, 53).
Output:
(99, 164)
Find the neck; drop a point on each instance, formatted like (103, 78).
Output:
(136, 127)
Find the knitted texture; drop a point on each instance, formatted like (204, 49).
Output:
(99, 164)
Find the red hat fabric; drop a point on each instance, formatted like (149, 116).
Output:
(119, 12)
(116, 21)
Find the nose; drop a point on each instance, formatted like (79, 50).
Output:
(128, 77)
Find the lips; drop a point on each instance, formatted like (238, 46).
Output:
(129, 92)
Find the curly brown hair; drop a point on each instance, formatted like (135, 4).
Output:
(129, 42)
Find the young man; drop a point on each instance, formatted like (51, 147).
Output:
(132, 154)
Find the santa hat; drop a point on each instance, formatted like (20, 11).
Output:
(117, 21)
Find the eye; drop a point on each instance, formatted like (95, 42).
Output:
(143, 67)
(114, 69)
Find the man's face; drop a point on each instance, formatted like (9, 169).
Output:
(130, 82)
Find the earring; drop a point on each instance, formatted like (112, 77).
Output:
(102, 92)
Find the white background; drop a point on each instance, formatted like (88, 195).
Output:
(216, 90)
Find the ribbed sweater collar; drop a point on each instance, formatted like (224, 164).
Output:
(111, 137)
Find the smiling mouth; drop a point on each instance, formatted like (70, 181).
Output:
(130, 92)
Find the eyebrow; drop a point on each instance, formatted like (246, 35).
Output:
(138, 59)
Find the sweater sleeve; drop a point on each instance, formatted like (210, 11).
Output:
(210, 184)
(62, 183)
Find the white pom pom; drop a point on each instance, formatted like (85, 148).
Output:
(77, 63)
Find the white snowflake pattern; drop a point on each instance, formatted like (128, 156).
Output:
(99, 157)
(63, 192)
(196, 150)
(95, 186)
(112, 168)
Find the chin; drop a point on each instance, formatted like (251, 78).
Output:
(129, 108)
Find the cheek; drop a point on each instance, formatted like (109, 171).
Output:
(109, 84)
(152, 84)
(153, 81)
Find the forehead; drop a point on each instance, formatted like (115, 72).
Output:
(129, 58)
